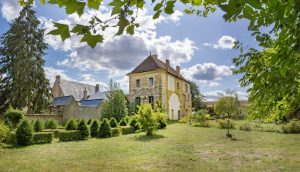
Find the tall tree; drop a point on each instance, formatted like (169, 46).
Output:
(197, 98)
(23, 82)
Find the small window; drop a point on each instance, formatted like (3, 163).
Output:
(138, 83)
(186, 88)
(151, 99)
(151, 82)
(138, 100)
(177, 85)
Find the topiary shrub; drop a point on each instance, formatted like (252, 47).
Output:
(127, 129)
(42, 138)
(134, 123)
(71, 125)
(38, 126)
(292, 127)
(24, 133)
(123, 122)
(104, 129)
(51, 124)
(223, 124)
(245, 127)
(94, 128)
(65, 136)
(127, 119)
(14, 116)
(113, 123)
(90, 121)
(115, 132)
(83, 128)
(4, 131)
(162, 124)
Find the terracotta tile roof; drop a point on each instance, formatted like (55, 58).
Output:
(153, 63)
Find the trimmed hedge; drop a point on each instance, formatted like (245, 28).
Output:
(134, 123)
(42, 138)
(123, 122)
(51, 124)
(4, 131)
(38, 126)
(54, 131)
(65, 136)
(245, 127)
(113, 123)
(83, 128)
(15, 116)
(115, 132)
(127, 129)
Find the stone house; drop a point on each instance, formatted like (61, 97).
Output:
(156, 81)
(76, 100)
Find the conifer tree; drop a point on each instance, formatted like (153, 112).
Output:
(22, 81)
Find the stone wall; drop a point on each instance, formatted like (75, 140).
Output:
(44, 117)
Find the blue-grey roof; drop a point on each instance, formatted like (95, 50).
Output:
(75, 89)
(98, 95)
(91, 103)
(59, 101)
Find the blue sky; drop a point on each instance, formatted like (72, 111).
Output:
(201, 46)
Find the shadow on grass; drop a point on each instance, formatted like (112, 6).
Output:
(145, 138)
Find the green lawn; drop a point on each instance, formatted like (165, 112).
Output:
(180, 147)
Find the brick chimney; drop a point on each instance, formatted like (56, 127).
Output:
(57, 78)
(178, 70)
(84, 94)
(97, 88)
(168, 64)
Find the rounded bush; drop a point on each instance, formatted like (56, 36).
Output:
(14, 115)
(104, 130)
(94, 128)
(71, 125)
(83, 129)
(162, 124)
(90, 121)
(223, 124)
(123, 122)
(113, 123)
(38, 126)
(51, 124)
(245, 127)
(24, 133)
(4, 131)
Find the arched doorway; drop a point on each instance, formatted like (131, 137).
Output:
(174, 107)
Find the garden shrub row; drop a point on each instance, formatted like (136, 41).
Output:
(71, 135)
(127, 129)
(42, 138)
(291, 128)
(115, 132)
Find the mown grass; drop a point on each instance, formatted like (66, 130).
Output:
(180, 147)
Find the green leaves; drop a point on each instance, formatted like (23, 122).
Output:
(73, 6)
(62, 30)
(170, 7)
(80, 29)
(92, 40)
(94, 4)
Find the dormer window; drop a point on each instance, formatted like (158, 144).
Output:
(151, 82)
(138, 83)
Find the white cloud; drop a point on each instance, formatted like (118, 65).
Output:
(225, 42)
(206, 72)
(10, 9)
(118, 55)
(214, 84)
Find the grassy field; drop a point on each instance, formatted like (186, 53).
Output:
(180, 147)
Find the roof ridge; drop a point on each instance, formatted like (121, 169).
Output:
(77, 82)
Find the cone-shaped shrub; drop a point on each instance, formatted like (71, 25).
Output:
(90, 121)
(38, 126)
(94, 128)
(51, 124)
(83, 129)
(71, 125)
(113, 123)
(104, 130)
(24, 133)
(134, 124)
(127, 119)
(123, 122)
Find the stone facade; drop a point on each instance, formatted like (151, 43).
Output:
(169, 88)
